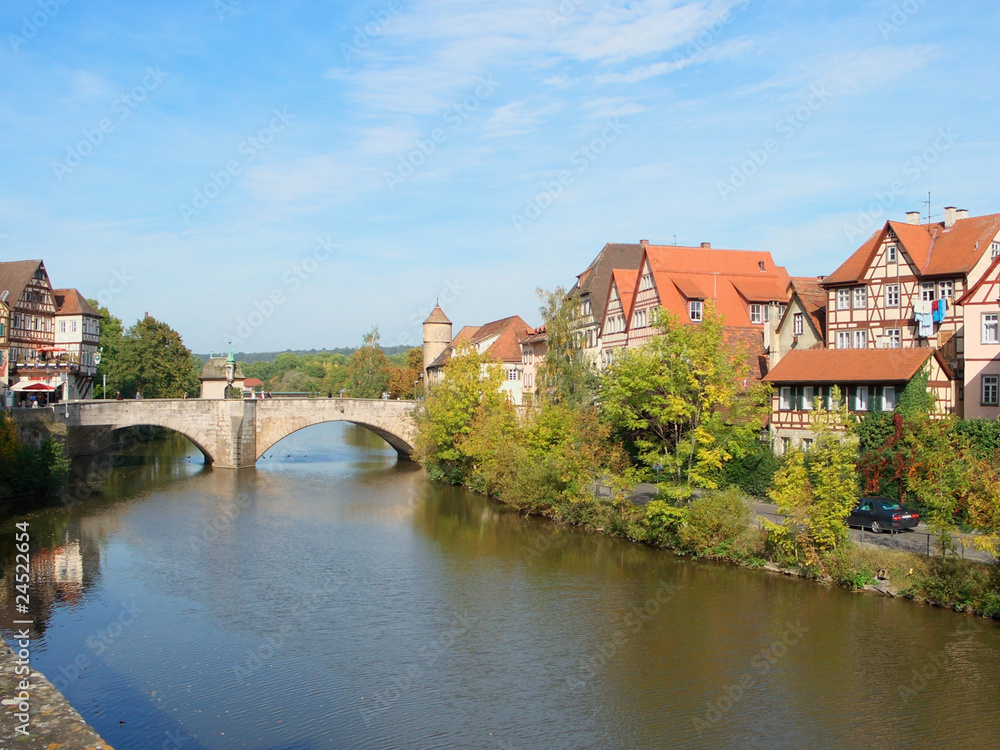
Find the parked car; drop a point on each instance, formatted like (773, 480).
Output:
(882, 514)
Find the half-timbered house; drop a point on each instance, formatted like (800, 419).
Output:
(614, 329)
(981, 313)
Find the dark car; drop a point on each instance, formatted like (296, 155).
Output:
(882, 514)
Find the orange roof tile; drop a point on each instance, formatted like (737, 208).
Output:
(437, 316)
(71, 302)
(834, 366)
(624, 280)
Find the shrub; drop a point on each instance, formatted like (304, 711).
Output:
(715, 522)
(753, 471)
(662, 522)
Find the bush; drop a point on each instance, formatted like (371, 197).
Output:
(715, 522)
(662, 522)
(963, 586)
(753, 471)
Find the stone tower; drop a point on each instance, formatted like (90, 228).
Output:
(437, 336)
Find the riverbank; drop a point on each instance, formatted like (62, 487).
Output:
(52, 721)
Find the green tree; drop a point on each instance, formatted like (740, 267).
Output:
(110, 343)
(153, 360)
(471, 381)
(403, 377)
(368, 370)
(686, 399)
(566, 374)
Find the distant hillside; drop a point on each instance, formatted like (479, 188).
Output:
(249, 357)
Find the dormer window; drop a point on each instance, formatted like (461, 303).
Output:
(695, 310)
(757, 314)
(994, 249)
(760, 265)
(890, 254)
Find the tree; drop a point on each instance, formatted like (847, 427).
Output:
(368, 370)
(818, 489)
(471, 381)
(685, 399)
(153, 360)
(110, 345)
(403, 379)
(566, 374)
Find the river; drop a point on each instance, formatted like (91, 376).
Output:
(334, 598)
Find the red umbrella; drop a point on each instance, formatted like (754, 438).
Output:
(252, 383)
(33, 387)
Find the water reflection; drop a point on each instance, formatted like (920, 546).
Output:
(344, 601)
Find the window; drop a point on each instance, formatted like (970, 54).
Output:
(990, 389)
(888, 398)
(72, 326)
(843, 339)
(890, 254)
(785, 399)
(807, 444)
(946, 289)
(990, 329)
(694, 309)
(843, 299)
(892, 295)
(861, 339)
(861, 402)
(860, 297)
(808, 393)
(927, 291)
(512, 374)
(798, 324)
(892, 339)
(586, 308)
(756, 314)
(994, 249)
(786, 445)
(646, 282)
(62, 326)
(17, 321)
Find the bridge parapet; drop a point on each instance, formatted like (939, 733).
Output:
(230, 433)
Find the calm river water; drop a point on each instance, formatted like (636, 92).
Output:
(334, 598)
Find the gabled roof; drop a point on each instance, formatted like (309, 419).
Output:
(833, 366)
(71, 302)
(215, 369)
(933, 249)
(625, 282)
(534, 336)
(595, 281)
(989, 277)
(506, 347)
(813, 298)
(732, 278)
(15, 275)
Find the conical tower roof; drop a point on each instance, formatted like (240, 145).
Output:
(437, 316)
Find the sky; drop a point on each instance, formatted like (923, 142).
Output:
(288, 175)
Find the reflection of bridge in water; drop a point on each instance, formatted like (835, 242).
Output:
(231, 434)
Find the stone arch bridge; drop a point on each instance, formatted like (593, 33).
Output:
(231, 434)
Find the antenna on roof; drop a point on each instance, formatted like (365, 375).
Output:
(675, 240)
(928, 204)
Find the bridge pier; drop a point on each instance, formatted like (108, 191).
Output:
(236, 443)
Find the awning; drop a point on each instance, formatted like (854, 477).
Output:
(50, 349)
(252, 383)
(34, 385)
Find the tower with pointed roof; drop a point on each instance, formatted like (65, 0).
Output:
(437, 336)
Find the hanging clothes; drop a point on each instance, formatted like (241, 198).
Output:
(926, 325)
(936, 311)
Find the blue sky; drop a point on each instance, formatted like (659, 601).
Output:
(290, 174)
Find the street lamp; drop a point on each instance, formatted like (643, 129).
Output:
(230, 367)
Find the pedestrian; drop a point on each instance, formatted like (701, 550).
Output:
(329, 394)
(138, 395)
(33, 402)
(118, 395)
(185, 394)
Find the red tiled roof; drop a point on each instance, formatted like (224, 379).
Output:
(933, 249)
(14, 276)
(813, 298)
(534, 336)
(71, 302)
(689, 286)
(835, 366)
(437, 316)
(595, 281)
(506, 348)
(624, 280)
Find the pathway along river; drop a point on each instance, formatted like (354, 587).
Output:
(333, 598)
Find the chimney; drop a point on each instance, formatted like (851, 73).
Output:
(706, 245)
(949, 217)
(644, 243)
(962, 213)
(913, 217)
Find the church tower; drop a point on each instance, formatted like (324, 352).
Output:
(437, 336)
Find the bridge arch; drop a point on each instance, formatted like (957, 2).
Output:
(198, 440)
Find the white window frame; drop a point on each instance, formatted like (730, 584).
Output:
(889, 398)
(695, 310)
(895, 338)
(927, 291)
(862, 398)
(513, 374)
(990, 329)
(843, 339)
(785, 398)
(989, 392)
(890, 254)
(892, 295)
(757, 314)
(798, 324)
(994, 250)
(844, 299)
(946, 289)
(859, 297)
(861, 338)
(808, 394)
